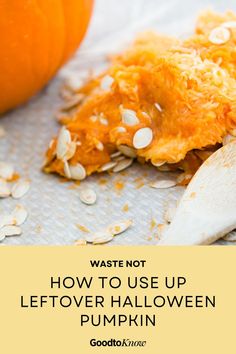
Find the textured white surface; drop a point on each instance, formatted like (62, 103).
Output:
(54, 209)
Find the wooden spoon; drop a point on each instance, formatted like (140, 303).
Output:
(207, 210)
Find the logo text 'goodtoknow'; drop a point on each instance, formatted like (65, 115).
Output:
(125, 342)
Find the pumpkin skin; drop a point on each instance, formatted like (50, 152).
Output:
(37, 37)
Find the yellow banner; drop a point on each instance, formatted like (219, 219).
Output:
(112, 299)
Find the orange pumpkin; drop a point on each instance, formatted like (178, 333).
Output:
(37, 37)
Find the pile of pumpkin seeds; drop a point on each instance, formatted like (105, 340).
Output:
(10, 224)
(106, 235)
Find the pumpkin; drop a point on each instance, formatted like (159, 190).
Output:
(37, 37)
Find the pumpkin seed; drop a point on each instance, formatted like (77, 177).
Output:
(63, 143)
(6, 220)
(74, 83)
(122, 165)
(102, 237)
(71, 150)
(77, 171)
(119, 158)
(116, 154)
(10, 230)
(158, 163)
(108, 166)
(100, 146)
(88, 196)
(98, 237)
(129, 117)
(158, 107)
(127, 151)
(72, 102)
(219, 35)
(184, 177)
(20, 189)
(19, 215)
(164, 168)
(118, 228)
(142, 138)
(164, 182)
(67, 170)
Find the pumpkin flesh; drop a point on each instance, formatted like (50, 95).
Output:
(196, 96)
